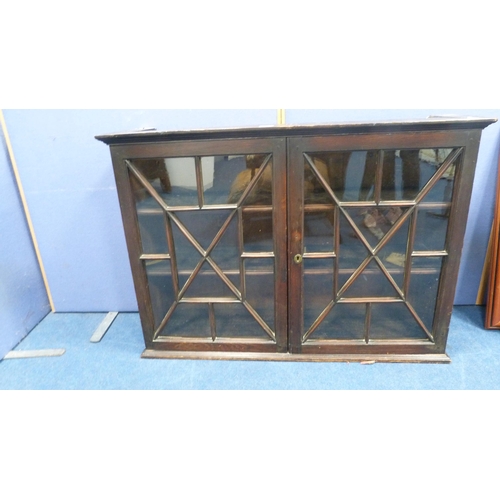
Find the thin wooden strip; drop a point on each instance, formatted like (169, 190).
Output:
(103, 327)
(35, 353)
(281, 117)
(26, 210)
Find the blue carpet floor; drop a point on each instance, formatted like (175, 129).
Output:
(115, 362)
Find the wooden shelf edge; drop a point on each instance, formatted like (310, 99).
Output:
(323, 358)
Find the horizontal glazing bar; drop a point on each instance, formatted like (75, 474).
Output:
(382, 203)
(434, 205)
(257, 255)
(369, 300)
(319, 255)
(373, 342)
(318, 207)
(149, 211)
(256, 208)
(209, 300)
(154, 256)
(208, 340)
(430, 253)
(204, 208)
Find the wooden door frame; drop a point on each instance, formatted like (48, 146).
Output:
(467, 139)
(277, 146)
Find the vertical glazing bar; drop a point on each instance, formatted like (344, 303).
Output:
(336, 250)
(241, 246)
(199, 180)
(211, 316)
(173, 258)
(409, 250)
(368, 320)
(378, 177)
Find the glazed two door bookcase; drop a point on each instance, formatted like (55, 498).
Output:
(330, 242)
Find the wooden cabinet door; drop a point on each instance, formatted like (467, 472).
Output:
(206, 232)
(371, 238)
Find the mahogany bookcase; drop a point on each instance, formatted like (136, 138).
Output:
(333, 242)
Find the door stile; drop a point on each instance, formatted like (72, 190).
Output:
(280, 234)
(295, 244)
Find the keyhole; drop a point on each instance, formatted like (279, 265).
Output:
(298, 258)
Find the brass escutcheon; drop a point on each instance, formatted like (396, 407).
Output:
(298, 258)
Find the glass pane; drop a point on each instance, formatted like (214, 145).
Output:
(389, 175)
(155, 174)
(375, 223)
(204, 226)
(319, 227)
(187, 257)
(344, 173)
(258, 231)
(182, 174)
(262, 190)
(371, 283)
(160, 286)
(394, 321)
(423, 288)
(352, 251)
(220, 174)
(442, 191)
(318, 288)
(188, 320)
(208, 284)
(314, 191)
(259, 287)
(343, 322)
(226, 253)
(402, 175)
(151, 220)
(235, 321)
(432, 227)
